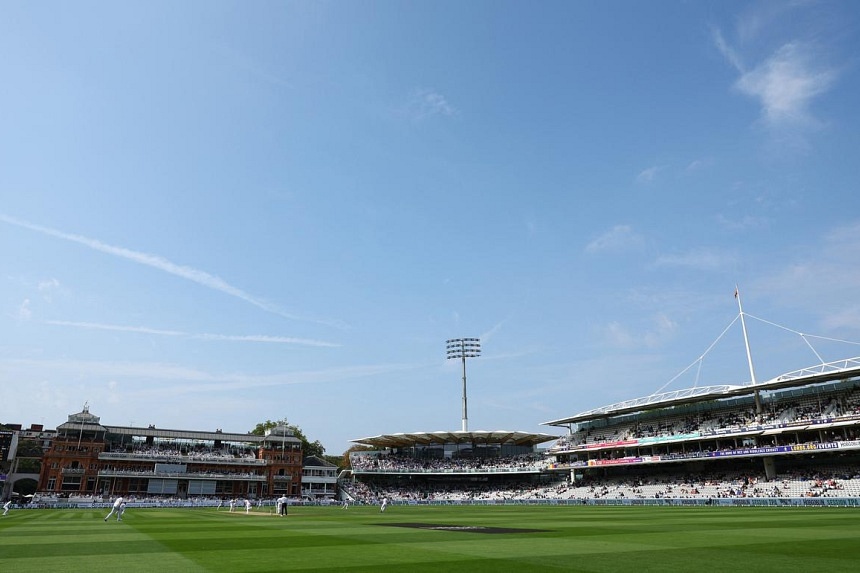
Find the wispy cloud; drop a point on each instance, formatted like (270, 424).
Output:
(486, 336)
(24, 312)
(266, 338)
(648, 175)
(701, 259)
(157, 262)
(204, 336)
(698, 165)
(743, 223)
(836, 254)
(758, 17)
(727, 51)
(116, 328)
(841, 242)
(617, 239)
(617, 335)
(424, 104)
(170, 379)
(654, 335)
(47, 287)
(786, 83)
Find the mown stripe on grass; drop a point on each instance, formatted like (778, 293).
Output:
(592, 539)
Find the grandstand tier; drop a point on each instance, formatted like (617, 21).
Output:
(777, 428)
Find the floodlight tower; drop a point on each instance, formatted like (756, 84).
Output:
(463, 348)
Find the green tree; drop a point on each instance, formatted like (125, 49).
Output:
(336, 460)
(25, 487)
(309, 448)
(29, 466)
(29, 449)
(29, 455)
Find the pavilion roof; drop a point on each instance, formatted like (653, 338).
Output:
(502, 437)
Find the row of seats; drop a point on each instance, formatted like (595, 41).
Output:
(831, 481)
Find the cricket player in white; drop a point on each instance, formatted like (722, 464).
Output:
(116, 509)
(6, 507)
(384, 504)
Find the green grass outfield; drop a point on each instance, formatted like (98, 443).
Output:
(360, 539)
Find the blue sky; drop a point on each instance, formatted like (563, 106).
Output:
(217, 213)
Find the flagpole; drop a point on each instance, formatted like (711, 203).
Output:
(747, 345)
(81, 420)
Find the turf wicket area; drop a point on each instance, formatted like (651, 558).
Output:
(434, 538)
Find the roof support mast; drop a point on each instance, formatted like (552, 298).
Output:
(749, 354)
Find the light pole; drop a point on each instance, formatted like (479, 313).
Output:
(463, 348)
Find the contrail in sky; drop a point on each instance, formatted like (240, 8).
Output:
(204, 336)
(162, 264)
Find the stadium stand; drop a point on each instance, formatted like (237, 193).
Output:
(791, 438)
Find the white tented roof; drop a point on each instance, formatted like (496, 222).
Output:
(825, 372)
(410, 439)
